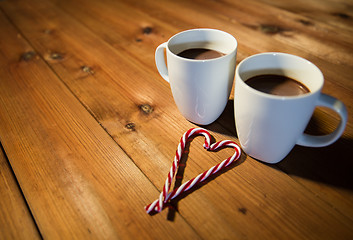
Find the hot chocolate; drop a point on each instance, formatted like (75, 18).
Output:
(277, 85)
(200, 54)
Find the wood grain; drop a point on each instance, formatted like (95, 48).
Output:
(15, 218)
(337, 13)
(253, 24)
(109, 119)
(63, 156)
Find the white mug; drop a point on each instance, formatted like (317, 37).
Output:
(200, 88)
(268, 126)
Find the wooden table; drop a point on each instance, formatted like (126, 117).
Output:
(89, 129)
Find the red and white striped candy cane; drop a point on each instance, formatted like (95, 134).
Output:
(165, 196)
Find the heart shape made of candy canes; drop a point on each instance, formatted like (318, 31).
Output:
(165, 196)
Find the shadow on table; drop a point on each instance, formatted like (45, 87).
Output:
(225, 124)
(332, 165)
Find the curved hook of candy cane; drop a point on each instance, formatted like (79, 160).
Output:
(165, 196)
(181, 147)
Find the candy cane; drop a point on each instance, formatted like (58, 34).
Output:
(165, 196)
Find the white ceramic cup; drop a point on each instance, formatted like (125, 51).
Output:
(268, 126)
(200, 88)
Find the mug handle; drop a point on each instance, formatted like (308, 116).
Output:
(325, 140)
(160, 61)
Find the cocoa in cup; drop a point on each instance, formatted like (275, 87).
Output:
(200, 85)
(269, 125)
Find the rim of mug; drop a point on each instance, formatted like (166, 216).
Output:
(202, 29)
(272, 96)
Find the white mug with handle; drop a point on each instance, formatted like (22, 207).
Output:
(268, 126)
(200, 88)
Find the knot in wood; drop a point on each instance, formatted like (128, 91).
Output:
(56, 56)
(87, 69)
(130, 126)
(147, 30)
(270, 29)
(305, 22)
(28, 56)
(341, 15)
(146, 108)
(243, 210)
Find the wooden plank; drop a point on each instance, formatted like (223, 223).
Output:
(247, 203)
(261, 28)
(312, 36)
(313, 171)
(78, 182)
(15, 218)
(337, 13)
(324, 45)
